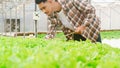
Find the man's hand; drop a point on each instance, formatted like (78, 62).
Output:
(80, 30)
(49, 37)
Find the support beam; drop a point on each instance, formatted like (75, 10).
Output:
(35, 22)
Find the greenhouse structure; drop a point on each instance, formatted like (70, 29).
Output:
(18, 16)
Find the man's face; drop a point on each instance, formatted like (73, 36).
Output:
(46, 7)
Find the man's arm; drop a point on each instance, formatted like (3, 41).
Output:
(52, 23)
(89, 13)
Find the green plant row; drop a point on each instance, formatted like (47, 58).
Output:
(56, 53)
(104, 35)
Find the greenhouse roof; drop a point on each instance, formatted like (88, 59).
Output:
(1, 1)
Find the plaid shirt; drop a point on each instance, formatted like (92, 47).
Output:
(78, 12)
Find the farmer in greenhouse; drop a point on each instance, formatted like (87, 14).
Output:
(77, 19)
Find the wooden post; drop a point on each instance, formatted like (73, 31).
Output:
(10, 19)
(24, 19)
(3, 19)
(35, 22)
(16, 21)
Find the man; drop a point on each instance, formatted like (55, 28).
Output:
(77, 19)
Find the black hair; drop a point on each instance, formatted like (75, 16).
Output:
(39, 1)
